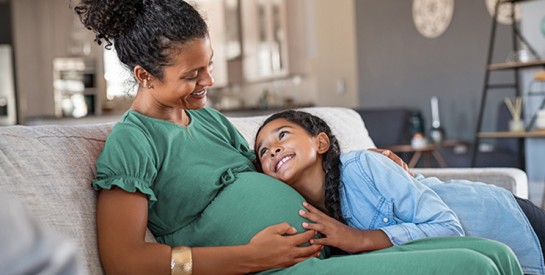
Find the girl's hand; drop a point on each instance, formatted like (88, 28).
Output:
(274, 249)
(339, 235)
(393, 157)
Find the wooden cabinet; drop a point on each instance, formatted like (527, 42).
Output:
(213, 12)
(264, 39)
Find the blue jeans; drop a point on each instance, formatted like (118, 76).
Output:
(536, 216)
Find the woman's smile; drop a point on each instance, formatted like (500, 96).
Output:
(199, 94)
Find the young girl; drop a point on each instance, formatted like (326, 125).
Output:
(376, 204)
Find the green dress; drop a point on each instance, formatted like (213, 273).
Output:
(203, 190)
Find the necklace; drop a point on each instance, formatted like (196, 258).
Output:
(185, 119)
(185, 123)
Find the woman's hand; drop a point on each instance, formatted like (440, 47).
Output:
(280, 246)
(339, 235)
(393, 157)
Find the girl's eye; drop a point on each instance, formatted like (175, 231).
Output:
(282, 134)
(262, 152)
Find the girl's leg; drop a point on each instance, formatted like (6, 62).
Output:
(454, 255)
(536, 216)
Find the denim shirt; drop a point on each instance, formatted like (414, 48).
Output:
(378, 194)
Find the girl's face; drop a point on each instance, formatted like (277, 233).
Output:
(289, 153)
(185, 82)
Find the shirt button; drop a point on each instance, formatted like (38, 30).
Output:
(385, 220)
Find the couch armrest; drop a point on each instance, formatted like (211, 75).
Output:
(512, 179)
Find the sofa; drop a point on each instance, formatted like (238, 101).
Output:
(49, 169)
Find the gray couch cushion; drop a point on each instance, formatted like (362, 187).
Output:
(50, 168)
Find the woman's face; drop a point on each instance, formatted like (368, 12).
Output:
(287, 152)
(185, 82)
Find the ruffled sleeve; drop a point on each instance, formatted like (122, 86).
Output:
(127, 161)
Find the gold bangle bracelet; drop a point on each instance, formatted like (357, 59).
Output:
(181, 262)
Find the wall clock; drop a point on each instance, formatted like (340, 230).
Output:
(504, 11)
(432, 17)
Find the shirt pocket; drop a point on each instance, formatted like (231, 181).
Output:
(383, 216)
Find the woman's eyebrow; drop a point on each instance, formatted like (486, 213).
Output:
(197, 69)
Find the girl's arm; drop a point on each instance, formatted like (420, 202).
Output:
(414, 210)
(363, 171)
(340, 235)
(121, 227)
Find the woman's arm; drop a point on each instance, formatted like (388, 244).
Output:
(268, 249)
(121, 228)
(395, 158)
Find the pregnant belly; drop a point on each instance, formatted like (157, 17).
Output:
(253, 202)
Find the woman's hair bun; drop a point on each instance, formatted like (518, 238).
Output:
(109, 19)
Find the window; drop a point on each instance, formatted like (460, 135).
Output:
(119, 79)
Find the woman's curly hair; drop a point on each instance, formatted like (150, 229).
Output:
(331, 159)
(143, 32)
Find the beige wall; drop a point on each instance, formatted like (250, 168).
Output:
(336, 55)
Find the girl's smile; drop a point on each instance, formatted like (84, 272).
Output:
(281, 163)
(289, 153)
